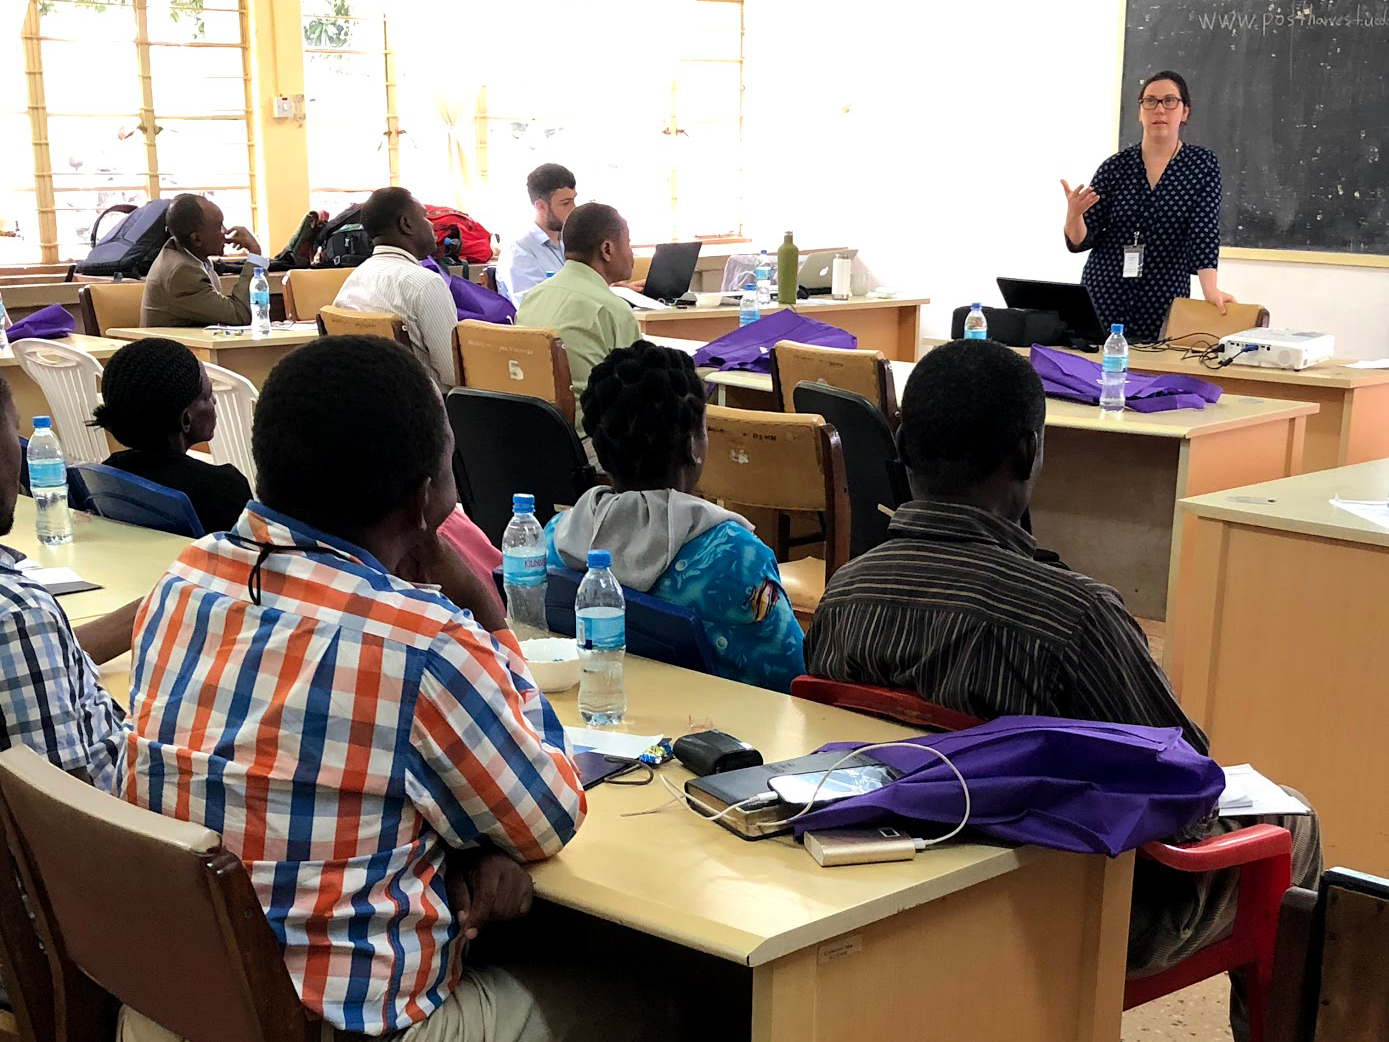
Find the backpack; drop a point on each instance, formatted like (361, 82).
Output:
(342, 241)
(300, 250)
(458, 236)
(128, 249)
(1017, 327)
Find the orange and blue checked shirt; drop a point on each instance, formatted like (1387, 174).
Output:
(341, 735)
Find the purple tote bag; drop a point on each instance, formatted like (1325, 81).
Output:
(749, 347)
(474, 301)
(50, 323)
(1074, 785)
(1077, 379)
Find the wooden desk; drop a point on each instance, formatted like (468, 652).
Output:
(1286, 656)
(29, 400)
(890, 326)
(1351, 426)
(239, 352)
(979, 942)
(126, 561)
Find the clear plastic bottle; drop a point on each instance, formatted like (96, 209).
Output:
(763, 275)
(260, 305)
(523, 566)
(600, 615)
(48, 480)
(1115, 370)
(749, 311)
(4, 326)
(976, 325)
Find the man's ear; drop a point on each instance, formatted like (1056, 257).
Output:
(901, 444)
(1025, 455)
(415, 506)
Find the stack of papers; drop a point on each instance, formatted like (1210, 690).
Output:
(1248, 794)
(609, 743)
(56, 581)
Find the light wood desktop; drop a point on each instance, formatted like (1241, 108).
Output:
(239, 352)
(977, 941)
(1286, 657)
(891, 326)
(29, 400)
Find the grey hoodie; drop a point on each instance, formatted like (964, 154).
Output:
(643, 530)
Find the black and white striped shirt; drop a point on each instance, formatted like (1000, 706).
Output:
(954, 607)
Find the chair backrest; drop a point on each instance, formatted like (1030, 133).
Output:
(508, 443)
(781, 461)
(866, 373)
(24, 969)
(308, 290)
(875, 476)
(70, 381)
(905, 707)
(110, 305)
(336, 321)
(118, 496)
(236, 404)
(1199, 323)
(151, 909)
(513, 359)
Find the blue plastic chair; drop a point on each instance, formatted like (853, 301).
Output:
(118, 496)
(655, 629)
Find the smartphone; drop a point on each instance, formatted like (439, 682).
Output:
(798, 789)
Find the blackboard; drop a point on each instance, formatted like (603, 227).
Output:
(1293, 97)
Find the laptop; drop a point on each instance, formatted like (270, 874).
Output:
(1070, 300)
(672, 269)
(818, 268)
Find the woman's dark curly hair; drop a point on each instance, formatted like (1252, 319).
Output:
(145, 387)
(641, 406)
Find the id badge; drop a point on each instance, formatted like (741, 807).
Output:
(1133, 262)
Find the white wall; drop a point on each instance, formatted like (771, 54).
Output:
(874, 124)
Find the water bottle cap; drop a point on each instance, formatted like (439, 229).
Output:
(749, 285)
(764, 253)
(600, 559)
(42, 423)
(258, 270)
(523, 503)
(975, 307)
(1117, 327)
(549, 274)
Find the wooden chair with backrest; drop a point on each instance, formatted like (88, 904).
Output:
(513, 360)
(786, 462)
(1261, 853)
(309, 290)
(1331, 967)
(110, 305)
(143, 908)
(866, 373)
(1199, 323)
(336, 321)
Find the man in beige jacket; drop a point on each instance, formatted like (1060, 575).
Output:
(182, 288)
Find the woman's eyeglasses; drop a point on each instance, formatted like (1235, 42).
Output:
(1169, 103)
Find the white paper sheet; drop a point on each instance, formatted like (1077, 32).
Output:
(1248, 794)
(640, 300)
(1377, 513)
(1369, 363)
(609, 743)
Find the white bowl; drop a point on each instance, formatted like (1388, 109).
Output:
(554, 662)
(708, 300)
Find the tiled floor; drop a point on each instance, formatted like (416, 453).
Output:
(1199, 1014)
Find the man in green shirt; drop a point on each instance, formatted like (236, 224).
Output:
(577, 304)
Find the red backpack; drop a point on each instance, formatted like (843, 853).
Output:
(458, 236)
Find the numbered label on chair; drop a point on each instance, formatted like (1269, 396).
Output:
(514, 370)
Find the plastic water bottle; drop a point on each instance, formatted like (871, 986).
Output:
(1115, 370)
(763, 274)
(523, 565)
(749, 310)
(600, 615)
(4, 325)
(260, 305)
(48, 480)
(976, 325)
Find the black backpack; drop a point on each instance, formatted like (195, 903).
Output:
(1018, 327)
(343, 242)
(128, 249)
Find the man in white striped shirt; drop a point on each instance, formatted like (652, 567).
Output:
(391, 279)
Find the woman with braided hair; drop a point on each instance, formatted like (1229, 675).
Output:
(157, 401)
(644, 411)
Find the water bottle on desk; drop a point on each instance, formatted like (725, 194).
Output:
(600, 616)
(1114, 370)
(763, 274)
(48, 480)
(976, 325)
(260, 305)
(523, 566)
(748, 309)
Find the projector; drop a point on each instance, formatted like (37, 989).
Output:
(1276, 348)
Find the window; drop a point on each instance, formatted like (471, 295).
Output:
(172, 115)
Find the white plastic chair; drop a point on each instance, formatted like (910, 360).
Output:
(236, 402)
(70, 381)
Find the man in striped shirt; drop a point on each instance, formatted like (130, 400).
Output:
(364, 743)
(956, 607)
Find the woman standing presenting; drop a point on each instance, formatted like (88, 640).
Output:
(1150, 218)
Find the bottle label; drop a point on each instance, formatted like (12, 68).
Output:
(47, 473)
(1116, 363)
(523, 567)
(602, 629)
(976, 334)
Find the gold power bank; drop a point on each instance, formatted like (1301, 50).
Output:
(859, 846)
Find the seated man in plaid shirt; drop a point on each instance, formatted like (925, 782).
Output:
(354, 736)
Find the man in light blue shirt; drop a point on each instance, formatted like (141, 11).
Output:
(525, 260)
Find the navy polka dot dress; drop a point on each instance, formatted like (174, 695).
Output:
(1179, 227)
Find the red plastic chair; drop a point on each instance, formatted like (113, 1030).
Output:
(1262, 853)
